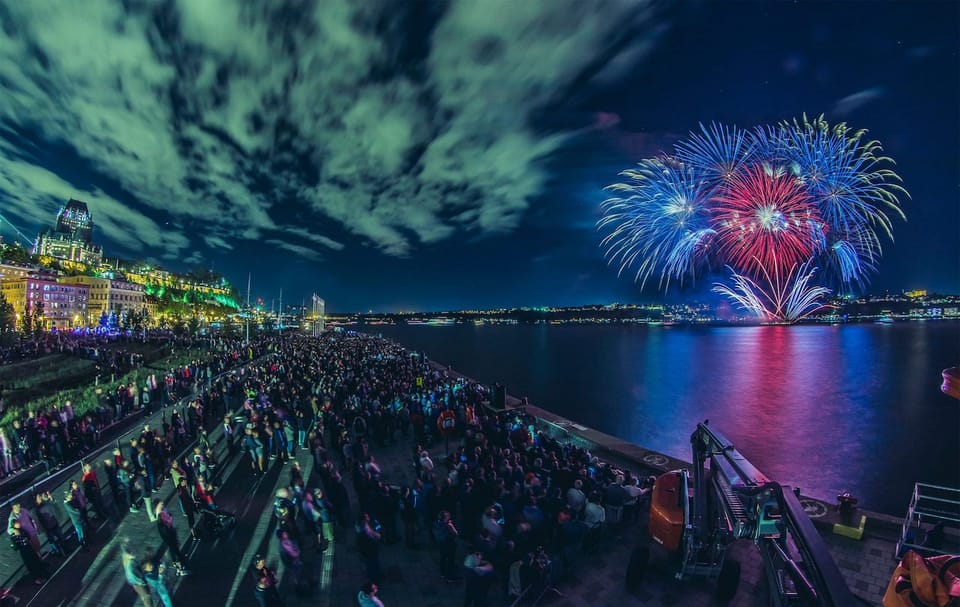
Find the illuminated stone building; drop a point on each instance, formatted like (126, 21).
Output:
(108, 296)
(10, 271)
(64, 305)
(72, 238)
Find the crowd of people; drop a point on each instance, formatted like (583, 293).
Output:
(505, 508)
(56, 435)
(133, 475)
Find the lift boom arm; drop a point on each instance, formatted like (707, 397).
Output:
(746, 504)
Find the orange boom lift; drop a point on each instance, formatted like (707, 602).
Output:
(694, 519)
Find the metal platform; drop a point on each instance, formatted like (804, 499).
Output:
(932, 523)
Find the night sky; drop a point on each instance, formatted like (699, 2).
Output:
(398, 156)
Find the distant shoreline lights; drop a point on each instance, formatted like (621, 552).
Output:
(792, 211)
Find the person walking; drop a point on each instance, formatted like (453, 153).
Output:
(153, 570)
(168, 533)
(265, 584)
(135, 576)
(290, 556)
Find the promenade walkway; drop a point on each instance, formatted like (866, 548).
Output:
(221, 567)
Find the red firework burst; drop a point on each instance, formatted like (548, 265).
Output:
(765, 220)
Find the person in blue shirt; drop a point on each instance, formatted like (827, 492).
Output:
(135, 576)
(153, 570)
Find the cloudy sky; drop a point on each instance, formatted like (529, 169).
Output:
(392, 155)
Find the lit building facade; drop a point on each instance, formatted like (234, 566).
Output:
(108, 296)
(64, 305)
(10, 272)
(72, 238)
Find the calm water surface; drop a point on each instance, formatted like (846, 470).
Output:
(825, 408)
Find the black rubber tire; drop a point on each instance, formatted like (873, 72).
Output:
(729, 579)
(637, 565)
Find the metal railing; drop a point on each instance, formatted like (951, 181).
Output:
(937, 506)
(64, 475)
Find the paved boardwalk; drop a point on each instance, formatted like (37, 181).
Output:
(220, 569)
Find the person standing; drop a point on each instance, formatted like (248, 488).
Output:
(229, 435)
(368, 544)
(48, 520)
(72, 506)
(81, 502)
(28, 526)
(479, 577)
(91, 491)
(187, 506)
(445, 533)
(408, 513)
(168, 533)
(21, 543)
(119, 495)
(153, 570)
(135, 576)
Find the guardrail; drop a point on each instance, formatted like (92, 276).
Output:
(65, 474)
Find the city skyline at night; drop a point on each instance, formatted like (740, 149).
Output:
(444, 156)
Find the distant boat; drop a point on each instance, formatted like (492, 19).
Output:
(884, 320)
(440, 321)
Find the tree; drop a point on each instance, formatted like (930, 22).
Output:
(8, 317)
(228, 330)
(126, 320)
(193, 325)
(179, 326)
(39, 319)
(140, 320)
(15, 253)
(26, 320)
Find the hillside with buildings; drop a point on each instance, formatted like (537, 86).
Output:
(65, 282)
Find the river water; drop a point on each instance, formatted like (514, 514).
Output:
(824, 408)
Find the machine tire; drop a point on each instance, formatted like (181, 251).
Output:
(637, 565)
(728, 580)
